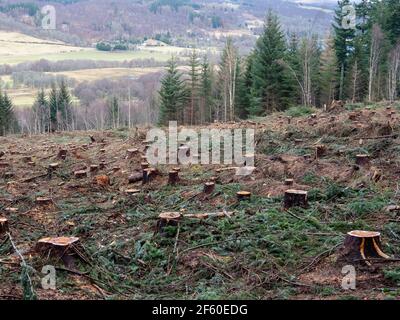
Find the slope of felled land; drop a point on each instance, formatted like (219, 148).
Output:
(236, 249)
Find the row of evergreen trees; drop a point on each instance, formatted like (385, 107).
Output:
(8, 121)
(53, 112)
(356, 63)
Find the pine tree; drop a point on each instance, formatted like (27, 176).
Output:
(173, 94)
(271, 88)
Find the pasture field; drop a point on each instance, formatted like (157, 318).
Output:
(105, 73)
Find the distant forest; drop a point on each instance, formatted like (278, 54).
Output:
(359, 64)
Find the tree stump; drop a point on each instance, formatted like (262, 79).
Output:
(320, 150)
(173, 177)
(53, 166)
(94, 168)
(362, 159)
(62, 154)
(8, 175)
(102, 150)
(145, 165)
(58, 248)
(209, 187)
(148, 175)
(130, 153)
(360, 245)
(3, 226)
(80, 174)
(27, 159)
(243, 195)
(295, 198)
(289, 182)
(167, 219)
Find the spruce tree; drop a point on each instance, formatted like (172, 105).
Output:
(41, 113)
(271, 88)
(64, 106)
(206, 92)
(114, 113)
(173, 95)
(53, 106)
(194, 65)
(343, 43)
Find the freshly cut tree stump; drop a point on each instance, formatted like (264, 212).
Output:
(80, 174)
(58, 248)
(168, 219)
(289, 182)
(44, 201)
(173, 177)
(8, 175)
(94, 168)
(360, 245)
(102, 150)
(295, 198)
(145, 165)
(320, 150)
(362, 159)
(53, 166)
(148, 175)
(298, 141)
(209, 187)
(177, 169)
(62, 154)
(32, 164)
(130, 153)
(3, 225)
(27, 159)
(243, 195)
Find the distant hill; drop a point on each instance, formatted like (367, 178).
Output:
(180, 22)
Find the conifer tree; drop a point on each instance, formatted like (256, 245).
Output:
(343, 44)
(41, 113)
(174, 95)
(271, 87)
